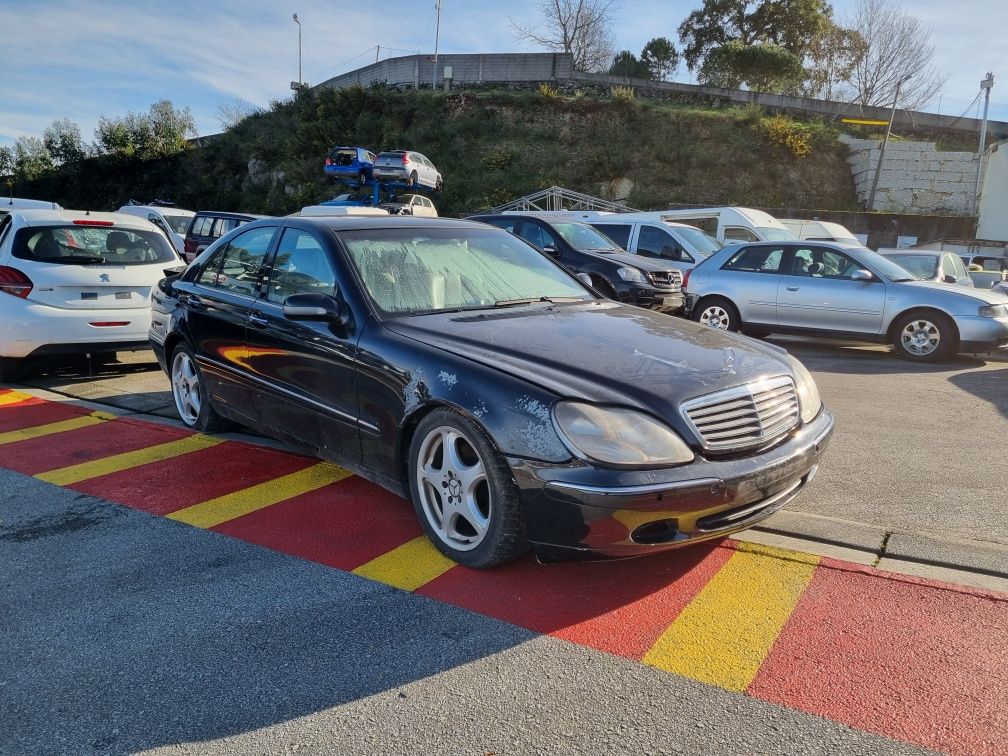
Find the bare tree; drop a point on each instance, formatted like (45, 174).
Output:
(231, 113)
(580, 27)
(896, 45)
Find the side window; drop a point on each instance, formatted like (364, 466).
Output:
(223, 226)
(533, 234)
(818, 262)
(618, 232)
(948, 267)
(201, 226)
(506, 224)
(243, 258)
(756, 260)
(5, 224)
(208, 276)
(301, 267)
(655, 242)
(739, 233)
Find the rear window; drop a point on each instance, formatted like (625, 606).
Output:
(90, 245)
(178, 223)
(756, 260)
(343, 157)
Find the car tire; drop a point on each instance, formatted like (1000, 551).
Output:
(439, 185)
(925, 337)
(485, 526)
(192, 400)
(717, 312)
(11, 368)
(362, 178)
(411, 181)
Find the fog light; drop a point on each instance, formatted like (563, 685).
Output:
(659, 531)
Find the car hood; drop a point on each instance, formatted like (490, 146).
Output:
(602, 352)
(985, 296)
(634, 261)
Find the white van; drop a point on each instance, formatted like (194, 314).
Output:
(731, 224)
(814, 230)
(10, 204)
(646, 234)
(174, 221)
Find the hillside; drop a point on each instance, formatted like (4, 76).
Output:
(491, 146)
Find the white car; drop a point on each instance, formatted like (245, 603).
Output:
(75, 282)
(10, 204)
(174, 221)
(411, 204)
(407, 167)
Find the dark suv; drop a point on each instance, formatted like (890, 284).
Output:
(208, 226)
(582, 249)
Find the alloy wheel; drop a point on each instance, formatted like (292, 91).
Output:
(920, 337)
(186, 388)
(715, 316)
(453, 487)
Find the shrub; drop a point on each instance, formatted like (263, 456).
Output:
(782, 130)
(497, 158)
(548, 90)
(625, 95)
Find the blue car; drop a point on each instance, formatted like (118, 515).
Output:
(351, 199)
(350, 164)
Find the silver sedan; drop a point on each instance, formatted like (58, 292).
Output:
(830, 290)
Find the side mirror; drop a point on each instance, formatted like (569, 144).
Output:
(584, 278)
(862, 275)
(550, 250)
(950, 279)
(315, 307)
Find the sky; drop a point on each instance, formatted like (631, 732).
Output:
(79, 59)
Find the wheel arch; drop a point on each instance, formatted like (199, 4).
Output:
(920, 310)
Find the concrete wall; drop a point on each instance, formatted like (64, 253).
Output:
(993, 222)
(915, 177)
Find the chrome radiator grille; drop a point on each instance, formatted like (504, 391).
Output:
(663, 278)
(743, 416)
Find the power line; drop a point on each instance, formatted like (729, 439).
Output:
(342, 62)
(466, 36)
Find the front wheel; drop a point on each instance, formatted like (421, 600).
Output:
(717, 313)
(926, 337)
(192, 400)
(411, 181)
(362, 178)
(463, 492)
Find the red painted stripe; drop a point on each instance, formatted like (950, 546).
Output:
(618, 607)
(32, 412)
(908, 659)
(84, 445)
(172, 484)
(342, 525)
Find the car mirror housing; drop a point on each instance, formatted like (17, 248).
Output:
(585, 279)
(862, 275)
(950, 279)
(314, 307)
(549, 249)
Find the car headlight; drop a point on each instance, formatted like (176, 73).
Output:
(994, 311)
(808, 393)
(630, 274)
(618, 437)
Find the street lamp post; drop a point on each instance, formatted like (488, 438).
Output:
(878, 168)
(296, 21)
(987, 84)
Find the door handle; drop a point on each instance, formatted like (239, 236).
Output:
(193, 301)
(792, 288)
(257, 320)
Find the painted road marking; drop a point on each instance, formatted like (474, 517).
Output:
(38, 431)
(207, 514)
(13, 397)
(409, 566)
(725, 633)
(66, 476)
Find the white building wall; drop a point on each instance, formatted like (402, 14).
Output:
(993, 223)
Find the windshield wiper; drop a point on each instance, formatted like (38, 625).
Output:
(516, 302)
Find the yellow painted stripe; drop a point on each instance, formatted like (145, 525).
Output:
(13, 397)
(409, 566)
(38, 431)
(865, 121)
(725, 633)
(66, 476)
(213, 512)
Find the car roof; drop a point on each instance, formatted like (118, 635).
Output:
(373, 222)
(926, 252)
(157, 208)
(838, 246)
(37, 217)
(229, 214)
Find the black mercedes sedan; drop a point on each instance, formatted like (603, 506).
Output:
(456, 365)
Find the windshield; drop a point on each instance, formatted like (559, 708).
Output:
(581, 236)
(703, 243)
(178, 223)
(922, 266)
(891, 270)
(424, 270)
(92, 245)
(775, 234)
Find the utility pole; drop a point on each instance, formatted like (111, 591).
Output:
(377, 52)
(986, 85)
(878, 168)
(296, 21)
(437, 33)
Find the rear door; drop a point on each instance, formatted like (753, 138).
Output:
(816, 291)
(750, 279)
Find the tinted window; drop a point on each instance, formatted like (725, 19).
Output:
(224, 225)
(201, 226)
(508, 224)
(92, 245)
(301, 267)
(534, 234)
(756, 260)
(618, 232)
(241, 260)
(819, 262)
(582, 236)
(656, 242)
(738, 233)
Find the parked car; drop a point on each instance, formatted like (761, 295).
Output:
(408, 167)
(349, 164)
(931, 265)
(816, 230)
(411, 204)
(174, 221)
(828, 289)
(343, 211)
(455, 365)
(10, 204)
(75, 283)
(363, 198)
(209, 225)
(731, 224)
(613, 272)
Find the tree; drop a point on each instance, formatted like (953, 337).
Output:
(762, 68)
(626, 64)
(791, 24)
(830, 62)
(582, 28)
(31, 158)
(660, 57)
(230, 114)
(62, 138)
(896, 46)
(6, 161)
(171, 128)
(160, 132)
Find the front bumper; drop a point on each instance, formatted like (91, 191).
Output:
(663, 300)
(978, 334)
(576, 509)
